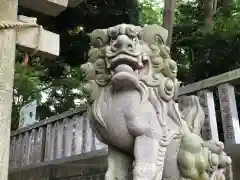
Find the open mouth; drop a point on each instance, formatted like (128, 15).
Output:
(124, 69)
(126, 60)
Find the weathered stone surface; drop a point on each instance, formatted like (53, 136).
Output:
(209, 129)
(87, 135)
(132, 82)
(67, 137)
(32, 39)
(38, 174)
(228, 77)
(18, 153)
(32, 145)
(76, 171)
(12, 152)
(26, 19)
(39, 145)
(8, 12)
(229, 114)
(77, 140)
(49, 145)
(120, 165)
(59, 136)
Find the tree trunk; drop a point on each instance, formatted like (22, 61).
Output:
(209, 6)
(227, 7)
(8, 12)
(168, 18)
(133, 8)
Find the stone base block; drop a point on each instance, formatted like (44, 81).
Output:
(47, 43)
(49, 7)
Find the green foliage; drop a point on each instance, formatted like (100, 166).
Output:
(200, 55)
(63, 94)
(26, 87)
(204, 55)
(57, 84)
(151, 12)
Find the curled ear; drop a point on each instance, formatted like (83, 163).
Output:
(154, 34)
(99, 38)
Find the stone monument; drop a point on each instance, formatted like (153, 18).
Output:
(133, 86)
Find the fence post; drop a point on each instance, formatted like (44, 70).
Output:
(209, 130)
(229, 114)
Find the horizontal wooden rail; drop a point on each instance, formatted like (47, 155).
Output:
(59, 137)
(231, 77)
(52, 119)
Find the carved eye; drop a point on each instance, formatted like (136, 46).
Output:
(159, 39)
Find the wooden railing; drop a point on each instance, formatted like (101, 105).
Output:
(55, 138)
(69, 134)
(218, 98)
(218, 91)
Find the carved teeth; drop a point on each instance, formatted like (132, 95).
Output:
(127, 60)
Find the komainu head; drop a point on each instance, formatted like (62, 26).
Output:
(125, 55)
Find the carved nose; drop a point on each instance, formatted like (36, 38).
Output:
(123, 42)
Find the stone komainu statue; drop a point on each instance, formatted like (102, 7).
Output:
(133, 85)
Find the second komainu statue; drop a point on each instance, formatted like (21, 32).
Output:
(133, 86)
